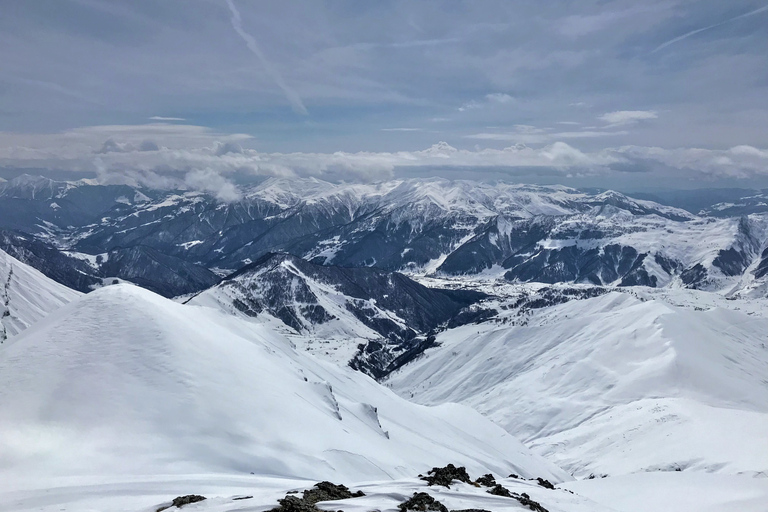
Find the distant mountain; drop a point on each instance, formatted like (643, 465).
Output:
(26, 296)
(166, 275)
(389, 318)
(523, 233)
(715, 202)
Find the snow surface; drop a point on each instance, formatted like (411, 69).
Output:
(26, 295)
(124, 383)
(616, 384)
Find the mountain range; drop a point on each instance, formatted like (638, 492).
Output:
(178, 242)
(581, 350)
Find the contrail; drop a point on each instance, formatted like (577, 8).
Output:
(250, 42)
(694, 32)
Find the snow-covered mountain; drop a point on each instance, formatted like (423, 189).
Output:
(124, 382)
(26, 296)
(638, 380)
(526, 233)
(142, 265)
(371, 319)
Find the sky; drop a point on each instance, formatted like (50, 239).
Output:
(631, 95)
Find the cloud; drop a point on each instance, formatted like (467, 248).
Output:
(499, 97)
(237, 23)
(527, 134)
(626, 117)
(193, 157)
(208, 180)
(709, 27)
(162, 118)
(401, 129)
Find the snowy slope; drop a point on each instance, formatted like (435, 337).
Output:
(125, 382)
(26, 296)
(369, 318)
(624, 382)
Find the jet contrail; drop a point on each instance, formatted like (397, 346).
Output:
(250, 42)
(694, 32)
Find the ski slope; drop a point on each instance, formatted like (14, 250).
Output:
(26, 295)
(616, 384)
(127, 384)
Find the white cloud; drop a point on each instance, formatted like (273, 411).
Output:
(167, 156)
(498, 97)
(625, 117)
(526, 134)
(401, 129)
(162, 118)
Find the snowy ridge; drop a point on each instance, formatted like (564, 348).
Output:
(217, 395)
(614, 384)
(26, 296)
(368, 318)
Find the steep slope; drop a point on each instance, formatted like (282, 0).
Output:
(374, 320)
(40, 205)
(72, 272)
(612, 246)
(163, 274)
(124, 382)
(615, 384)
(26, 296)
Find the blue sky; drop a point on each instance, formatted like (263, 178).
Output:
(585, 93)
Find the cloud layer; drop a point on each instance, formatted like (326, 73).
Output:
(182, 156)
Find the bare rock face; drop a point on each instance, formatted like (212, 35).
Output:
(421, 501)
(446, 475)
(180, 501)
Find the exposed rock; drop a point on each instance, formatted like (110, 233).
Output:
(526, 500)
(180, 501)
(545, 483)
(445, 476)
(322, 491)
(500, 490)
(487, 480)
(327, 491)
(294, 504)
(421, 501)
(523, 498)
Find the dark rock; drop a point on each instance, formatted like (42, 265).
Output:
(445, 476)
(523, 498)
(526, 500)
(322, 491)
(180, 501)
(242, 498)
(327, 491)
(500, 490)
(487, 480)
(421, 501)
(471, 510)
(294, 504)
(545, 483)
